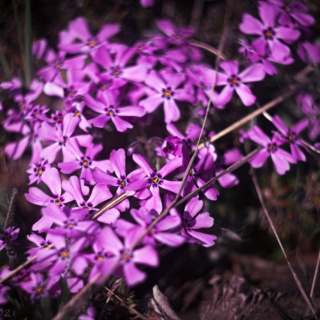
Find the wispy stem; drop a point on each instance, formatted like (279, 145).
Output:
(10, 202)
(250, 116)
(296, 279)
(127, 306)
(76, 297)
(110, 205)
(205, 46)
(315, 276)
(16, 270)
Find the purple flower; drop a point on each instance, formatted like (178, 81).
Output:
(231, 156)
(147, 3)
(40, 288)
(269, 34)
(291, 136)
(271, 148)
(146, 255)
(72, 90)
(14, 150)
(175, 36)
(8, 237)
(293, 11)
(52, 179)
(155, 181)
(198, 173)
(306, 49)
(79, 29)
(100, 193)
(70, 222)
(56, 62)
(61, 139)
(115, 68)
(39, 242)
(192, 220)
(118, 165)
(235, 81)
(166, 92)
(24, 101)
(255, 54)
(202, 77)
(109, 109)
(144, 218)
(85, 162)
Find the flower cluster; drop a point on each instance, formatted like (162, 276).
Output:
(281, 24)
(99, 83)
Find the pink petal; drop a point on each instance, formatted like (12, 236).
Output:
(245, 94)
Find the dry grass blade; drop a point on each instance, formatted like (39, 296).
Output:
(228, 170)
(250, 116)
(110, 205)
(296, 279)
(300, 75)
(16, 270)
(309, 146)
(81, 293)
(315, 277)
(129, 307)
(76, 298)
(206, 47)
(10, 207)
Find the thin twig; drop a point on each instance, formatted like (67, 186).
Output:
(269, 117)
(301, 74)
(205, 46)
(75, 298)
(110, 204)
(296, 279)
(250, 116)
(309, 145)
(80, 294)
(228, 170)
(16, 270)
(11, 200)
(129, 307)
(315, 277)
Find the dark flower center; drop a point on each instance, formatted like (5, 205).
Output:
(92, 43)
(286, 9)
(64, 254)
(272, 147)
(155, 179)
(39, 289)
(269, 33)
(167, 93)
(234, 80)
